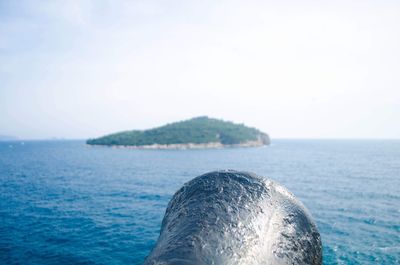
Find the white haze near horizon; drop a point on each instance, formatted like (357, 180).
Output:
(294, 69)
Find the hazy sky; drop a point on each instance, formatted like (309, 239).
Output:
(295, 69)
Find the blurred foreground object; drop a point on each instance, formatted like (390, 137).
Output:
(231, 217)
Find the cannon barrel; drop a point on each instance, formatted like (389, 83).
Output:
(232, 217)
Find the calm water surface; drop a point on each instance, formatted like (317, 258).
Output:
(65, 203)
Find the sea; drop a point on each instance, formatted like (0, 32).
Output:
(62, 202)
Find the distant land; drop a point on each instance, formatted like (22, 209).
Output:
(8, 138)
(199, 132)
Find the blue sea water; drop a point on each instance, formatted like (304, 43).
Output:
(66, 203)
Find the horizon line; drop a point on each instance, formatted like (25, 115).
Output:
(277, 138)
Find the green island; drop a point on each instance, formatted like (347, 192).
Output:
(199, 132)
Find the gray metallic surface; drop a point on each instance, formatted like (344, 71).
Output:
(230, 217)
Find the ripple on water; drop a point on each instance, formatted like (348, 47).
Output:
(63, 203)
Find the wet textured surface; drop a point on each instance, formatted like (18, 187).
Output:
(231, 217)
(64, 203)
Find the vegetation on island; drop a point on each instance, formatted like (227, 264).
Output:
(200, 130)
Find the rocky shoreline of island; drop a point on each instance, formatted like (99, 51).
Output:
(211, 145)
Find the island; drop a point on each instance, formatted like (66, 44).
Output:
(7, 138)
(199, 132)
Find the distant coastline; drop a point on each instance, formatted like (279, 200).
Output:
(8, 138)
(212, 145)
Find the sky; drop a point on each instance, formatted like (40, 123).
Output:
(294, 69)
